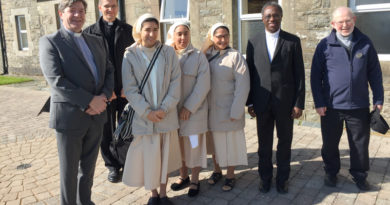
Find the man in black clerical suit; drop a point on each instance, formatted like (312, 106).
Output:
(277, 93)
(118, 36)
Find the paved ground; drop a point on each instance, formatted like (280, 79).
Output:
(25, 139)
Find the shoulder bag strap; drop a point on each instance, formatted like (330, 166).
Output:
(213, 57)
(149, 69)
(125, 132)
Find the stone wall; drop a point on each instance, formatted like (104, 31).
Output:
(40, 20)
(205, 13)
(135, 8)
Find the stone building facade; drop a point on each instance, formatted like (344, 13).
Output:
(40, 18)
(310, 20)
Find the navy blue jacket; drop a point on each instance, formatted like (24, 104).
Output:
(339, 78)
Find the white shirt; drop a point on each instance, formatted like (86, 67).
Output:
(272, 40)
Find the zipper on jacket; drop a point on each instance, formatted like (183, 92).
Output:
(350, 52)
(350, 58)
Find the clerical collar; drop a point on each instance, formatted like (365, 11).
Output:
(105, 23)
(275, 35)
(74, 34)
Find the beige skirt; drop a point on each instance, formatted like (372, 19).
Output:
(150, 159)
(194, 157)
(230, 148)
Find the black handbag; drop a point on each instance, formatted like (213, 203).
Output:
(377, 122)
(122, 136)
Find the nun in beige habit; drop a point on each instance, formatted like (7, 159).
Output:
(153, 153)
(227, 98)
(192, 107)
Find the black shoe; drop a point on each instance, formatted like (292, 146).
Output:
(282, 187)
(183, 184)
(330, 180)
(153, 200)
(114, 176)
(362, 184)
(229, 184)
(194, 192)
(165, 201)
(265, 186)
(214, 178)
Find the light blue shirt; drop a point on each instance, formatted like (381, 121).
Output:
(80, 42)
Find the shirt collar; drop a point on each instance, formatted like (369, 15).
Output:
(272, 35)
(105, 23)
(73, 34)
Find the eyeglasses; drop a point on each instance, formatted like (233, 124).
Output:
(340, 23)
(222, 36)
(275, 16)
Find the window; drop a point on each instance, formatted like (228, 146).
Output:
(372, 19)
(172, 11)
(249, 21)
(21, 30)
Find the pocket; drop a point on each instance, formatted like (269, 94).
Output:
(190, 71)
(224, 73)
(225, 101)
(189, 75)
(69, 116)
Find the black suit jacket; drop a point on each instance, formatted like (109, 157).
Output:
(282, 81)
(123, 39)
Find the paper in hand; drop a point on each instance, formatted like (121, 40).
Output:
(194, 141)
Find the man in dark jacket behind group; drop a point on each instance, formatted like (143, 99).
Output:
(344, 63)
(118, 36)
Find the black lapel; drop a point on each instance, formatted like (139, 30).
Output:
(280, 43)
(263, 46)
(118, 31)
(263, 65)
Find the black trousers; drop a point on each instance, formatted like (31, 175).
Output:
(114, 111)
(266, 122)
(357, 123)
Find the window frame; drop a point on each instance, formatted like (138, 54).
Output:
(162, 20)
(247, 17)
(366, 8)
(20, 31)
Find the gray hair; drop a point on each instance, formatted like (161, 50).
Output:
(68, 3)
(351, 14)
(273, 4)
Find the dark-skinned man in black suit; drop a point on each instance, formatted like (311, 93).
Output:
(277, 93)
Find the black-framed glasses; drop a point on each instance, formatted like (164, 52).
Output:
(275, 16)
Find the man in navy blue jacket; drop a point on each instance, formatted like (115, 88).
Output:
(344, 63)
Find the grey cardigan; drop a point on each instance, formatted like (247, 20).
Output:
(195, 85)
(133, 70)
(229, 90)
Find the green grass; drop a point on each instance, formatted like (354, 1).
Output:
(5, 79)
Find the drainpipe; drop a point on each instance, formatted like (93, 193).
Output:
(2, 43)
